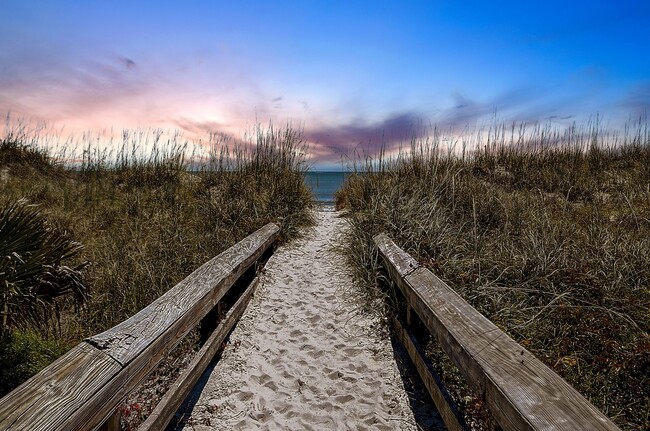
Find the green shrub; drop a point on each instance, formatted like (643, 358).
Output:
(31, 272)
(24, 353)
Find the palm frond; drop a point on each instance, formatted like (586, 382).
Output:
(31, 273)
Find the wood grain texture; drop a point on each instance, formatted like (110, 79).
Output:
(441, 398)
(201, 289)
(178, 392)
(55, 396)
(521, 392)
(402, 264)
(81, 390)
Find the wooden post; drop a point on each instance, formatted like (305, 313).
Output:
(434, 386)
(408, 314)
(113, 422)
(415, 324)
(162, 415)
(209, 323)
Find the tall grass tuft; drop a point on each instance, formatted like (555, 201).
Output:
(149, 208)
(544, 231)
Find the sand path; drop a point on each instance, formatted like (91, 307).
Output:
(304, 356)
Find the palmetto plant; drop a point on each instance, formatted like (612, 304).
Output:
(31, 273)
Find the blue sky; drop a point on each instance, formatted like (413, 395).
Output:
(349, 72)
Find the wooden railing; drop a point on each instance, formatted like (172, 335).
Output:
(521, 392)
(82, 389)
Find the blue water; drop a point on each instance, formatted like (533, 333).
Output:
(325, 184)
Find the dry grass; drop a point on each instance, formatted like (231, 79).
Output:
(545, 232)
(144, 220)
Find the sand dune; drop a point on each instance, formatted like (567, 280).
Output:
(303, 356)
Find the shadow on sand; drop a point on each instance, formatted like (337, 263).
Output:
(425, 412)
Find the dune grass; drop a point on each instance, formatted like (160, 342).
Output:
(147, 214)
(546, 232)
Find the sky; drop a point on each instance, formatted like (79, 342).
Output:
(349, 73)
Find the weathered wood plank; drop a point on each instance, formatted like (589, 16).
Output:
(55, 396)
(142, 364)
(521, 392)
(402, 264)
(81, 389)
(178, 392)
(203, 288)
(441, 398)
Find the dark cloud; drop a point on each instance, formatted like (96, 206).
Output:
(126, 62)
(402, 127)
(341, 139)
(518, 105)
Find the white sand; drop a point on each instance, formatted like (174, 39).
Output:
(304, 356)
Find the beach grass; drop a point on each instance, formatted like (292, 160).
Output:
(544, 231)
(147, 211)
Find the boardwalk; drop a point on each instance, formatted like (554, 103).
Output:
(303, 355)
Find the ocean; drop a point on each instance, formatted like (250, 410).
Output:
(325, 184)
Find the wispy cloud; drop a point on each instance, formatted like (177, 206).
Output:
(62, 92)
(466, 111)
(130, 64)
(340, 139)
(637, 102)
(122, 91)
(199, 128)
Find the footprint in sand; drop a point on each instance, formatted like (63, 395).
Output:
(302, 363)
